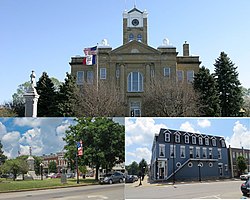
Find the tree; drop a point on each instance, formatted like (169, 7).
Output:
(143, 165)
(7, 111)
(133, 168)
(52, 167)
(2, 156)
(241, 163)
(228, 86)
(103, 143)
(23, 165)
(170, 99)
(47, 103)
(204, 84)
(105, 100)
(66, 96)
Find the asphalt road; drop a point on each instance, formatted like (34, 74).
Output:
(206, 190)
(92, 192)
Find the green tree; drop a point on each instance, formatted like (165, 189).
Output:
(66, 96)
(47, 103)
(228, 86)
(2, 156)
(103, 142)
(133, 168)
(52, 167)
(143, 166)
(23, 165)
(241, 164)
(204, 83)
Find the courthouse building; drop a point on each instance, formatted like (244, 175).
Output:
(134, 64)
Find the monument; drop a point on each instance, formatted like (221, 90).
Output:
(31, 163)
(31, 98)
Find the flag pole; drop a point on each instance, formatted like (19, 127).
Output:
(97, 67)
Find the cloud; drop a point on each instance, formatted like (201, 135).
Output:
(25, 121)
(138, 155)
(240, 137)
(204, 123)
(10, 142)
(3, 130)
(141, 130)
(186, 126)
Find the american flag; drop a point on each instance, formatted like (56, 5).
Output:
(90, 50)
(79, 148)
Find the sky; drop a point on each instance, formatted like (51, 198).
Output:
(140, 132)
(43, 135)
(43, 35)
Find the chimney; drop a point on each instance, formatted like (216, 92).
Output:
(185, 49)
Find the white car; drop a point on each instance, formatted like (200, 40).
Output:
(245, 176)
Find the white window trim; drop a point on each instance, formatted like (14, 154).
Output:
(182, 77)
(214, 142)
(204, 150)
(130, 81)
(167, 139)
(103, 73)
(184, 150)
(172, 149)
(186, 137)
(200, 141)
(219, 154)
(77, 80)
(90, 81)
(177, 138)
(165, 69)
(190, 81)
(193, 139)
(207, 141)
(161, 147)
(198, 152)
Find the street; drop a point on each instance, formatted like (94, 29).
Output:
(91, 192)
(206, 190)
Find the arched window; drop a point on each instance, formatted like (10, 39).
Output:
(135, 82)
(139, 37)
(130, 37)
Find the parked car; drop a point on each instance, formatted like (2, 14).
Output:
(49, 175)
(129, 179)
(245, 176)
(58, 175)
(70, 175)
(116, 177)
(245, 188)
(135, 177)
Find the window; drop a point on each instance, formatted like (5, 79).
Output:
(178, 164)
(167, 137)
(182, 152)
(177, 138)
(130, 37)
(191, 152)
(198, 152)
(90, 77)
(179, 75)
(80, 77)
(204, 152)
(200, 141)
(103, 73)
(223, 143)
(219, 154)
(210, 153)
(190, 76)
(161, 150)
(152, 72)
(207, 141)
(214, 142)
(135, 82)
(193, 140)
(210, 164)
(233, 154)
(139, 37)
(172, 151)
(167, 72)
(226, 168)
(117, 72)
(186, 139)
(190, 164)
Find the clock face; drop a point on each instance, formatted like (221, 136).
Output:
(135, 22)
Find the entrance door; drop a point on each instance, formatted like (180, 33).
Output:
(135, 109)
(220, 165)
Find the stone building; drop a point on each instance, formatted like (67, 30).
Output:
(234, 153)
(134, 64)
(180, 155)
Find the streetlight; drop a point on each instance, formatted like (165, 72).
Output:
(199, 166)
(41, 170)
(242, 112)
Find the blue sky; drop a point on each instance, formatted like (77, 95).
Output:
(140, 132)
(43, 35)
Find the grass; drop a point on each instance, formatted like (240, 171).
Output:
(10, 185)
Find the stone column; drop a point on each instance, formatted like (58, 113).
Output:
(31, 98)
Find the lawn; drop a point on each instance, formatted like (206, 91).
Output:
(10, 185)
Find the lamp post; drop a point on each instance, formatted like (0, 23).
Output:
(199, 166)
(41, 170)
(242, 112)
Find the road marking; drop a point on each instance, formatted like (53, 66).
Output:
(210, 197)
(97, 197)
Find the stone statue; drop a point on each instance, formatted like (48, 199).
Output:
(33, 79)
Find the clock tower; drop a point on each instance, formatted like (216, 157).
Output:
(135, 26)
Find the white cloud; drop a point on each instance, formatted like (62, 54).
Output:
(186, 126)
(141, 131)
(25, 121)
(3, 130)
(10, 143)
(204, 123)
(138, 155)
(240, 137)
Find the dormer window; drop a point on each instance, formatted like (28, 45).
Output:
(200, 141)
(186, 139)
(193, 140)
(167, 137)
(223, 143)
(207, 141)
(214, 142)
(177, 138)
